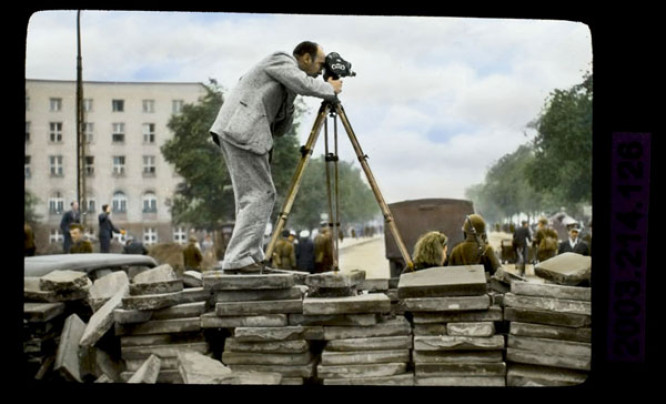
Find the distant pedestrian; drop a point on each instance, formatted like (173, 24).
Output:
(71, 216)
(574, 244)
(79, 244)
(132, 246)
(521, 242)
(545, 241)
(192, 256)
(305, 253)
(475, 249)
(430, 250)
(284, 256)
(29, 246)
(106, 229)
(323, 250)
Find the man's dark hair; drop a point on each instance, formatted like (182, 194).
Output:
(306, 47)
(104, 208)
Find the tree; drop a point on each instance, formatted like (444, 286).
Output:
(29, 203)
(205, 198)
(563, 145)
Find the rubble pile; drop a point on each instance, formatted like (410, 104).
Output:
(549, 342)
(455, 339)
(158, 319)
(48, 301)
(261, 346)
(364, 344)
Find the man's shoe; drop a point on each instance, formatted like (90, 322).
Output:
(254, 268)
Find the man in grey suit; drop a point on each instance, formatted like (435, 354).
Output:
(259, 107)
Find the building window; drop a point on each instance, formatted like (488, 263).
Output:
(118, 165)
(149, 165)
(149, 203)
(56, 203)
(26, 166)
(91, 205)
(88, 129)
(119, 203)
(179, 235)
(149, 235)
(118, 132)
(148, 105)
(89, 165)
(55, 104)
(27, 132)
(177, 106)
(87, 104)
(117, 105)
(55, 132)
(55, 164)
(55, 236)
(27, 103)
(149, 133)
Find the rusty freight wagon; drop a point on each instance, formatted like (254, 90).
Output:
(416, 217)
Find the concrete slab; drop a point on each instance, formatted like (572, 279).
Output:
(406, 379)
(460, 381)
(334, 319)
(530, 357)
(372, 370)
(65, 281)
(67, 362)
(394, 327)
(549, 346)
(458, 356)
(262, 334)
(566, 269)
(467, 280)
(460, 369)
(337, 279)
(155, 288)
(480, 329)
(218, 280)
(289, 346)
(525, 315)
(248, 358)
(370, 344)
(148, 372)
(257, 295)
(212, 320)
(455, 342)
(548, 304)
(579, 334)
(494, 313)
(197, 368)
(102, 320)
(151, 302)
(259, 308)
(305, 371)
(162, 351)
(519, 375)
(363, 358)
(176, 325)
(552, 290)
(369, 303)
(42, 312)
(106, 287)
(450, 303)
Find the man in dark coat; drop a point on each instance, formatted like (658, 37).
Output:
(305, 252)
(521, 240)
(545, 241)
(134, 247)
(284, 256)
(323, 250)
(106, 229)
(192, 256)
(573, 244)
(71, 216)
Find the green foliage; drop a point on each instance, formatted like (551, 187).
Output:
(554, 171)
(29, 203)
(204, 199)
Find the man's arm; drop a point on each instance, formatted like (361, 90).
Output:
(283, 68)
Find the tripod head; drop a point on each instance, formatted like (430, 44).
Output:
(336, 67)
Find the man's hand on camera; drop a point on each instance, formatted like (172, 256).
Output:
(337, 85)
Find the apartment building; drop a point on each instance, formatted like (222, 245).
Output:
(125, 124)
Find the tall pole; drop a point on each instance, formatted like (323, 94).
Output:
(80, 141)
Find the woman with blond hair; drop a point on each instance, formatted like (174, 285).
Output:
(430, 250)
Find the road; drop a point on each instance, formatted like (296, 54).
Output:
(369, 254)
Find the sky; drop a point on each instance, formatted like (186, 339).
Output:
(435, 102)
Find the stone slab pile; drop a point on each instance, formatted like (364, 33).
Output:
(454, 317)
(48, 300)
(363, 343)
(260, 345)
(549, 341)
(158, 319)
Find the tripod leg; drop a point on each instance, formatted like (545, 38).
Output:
(296, 179)
(388, 217)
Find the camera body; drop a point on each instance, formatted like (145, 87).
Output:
(336, 67)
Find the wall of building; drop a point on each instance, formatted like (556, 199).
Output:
(143, 105)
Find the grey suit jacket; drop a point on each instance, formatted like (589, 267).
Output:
(262, 103)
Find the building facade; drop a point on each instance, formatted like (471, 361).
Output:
(125, 125)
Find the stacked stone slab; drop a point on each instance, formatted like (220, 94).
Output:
(260, 343)
(157, 320)
(48, 301)
(549, 341)
(454, 317)
(363, 343)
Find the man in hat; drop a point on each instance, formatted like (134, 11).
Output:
(71, 216)
(474, 249)
(545, 241)
(284, 255)
(260, 107)
(192, 256)
(574, 244)
(323, 250)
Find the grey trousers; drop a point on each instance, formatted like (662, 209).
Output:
(254, 195)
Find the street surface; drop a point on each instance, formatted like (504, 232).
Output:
(368, 254)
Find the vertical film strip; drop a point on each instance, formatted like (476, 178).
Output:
(630, 188)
